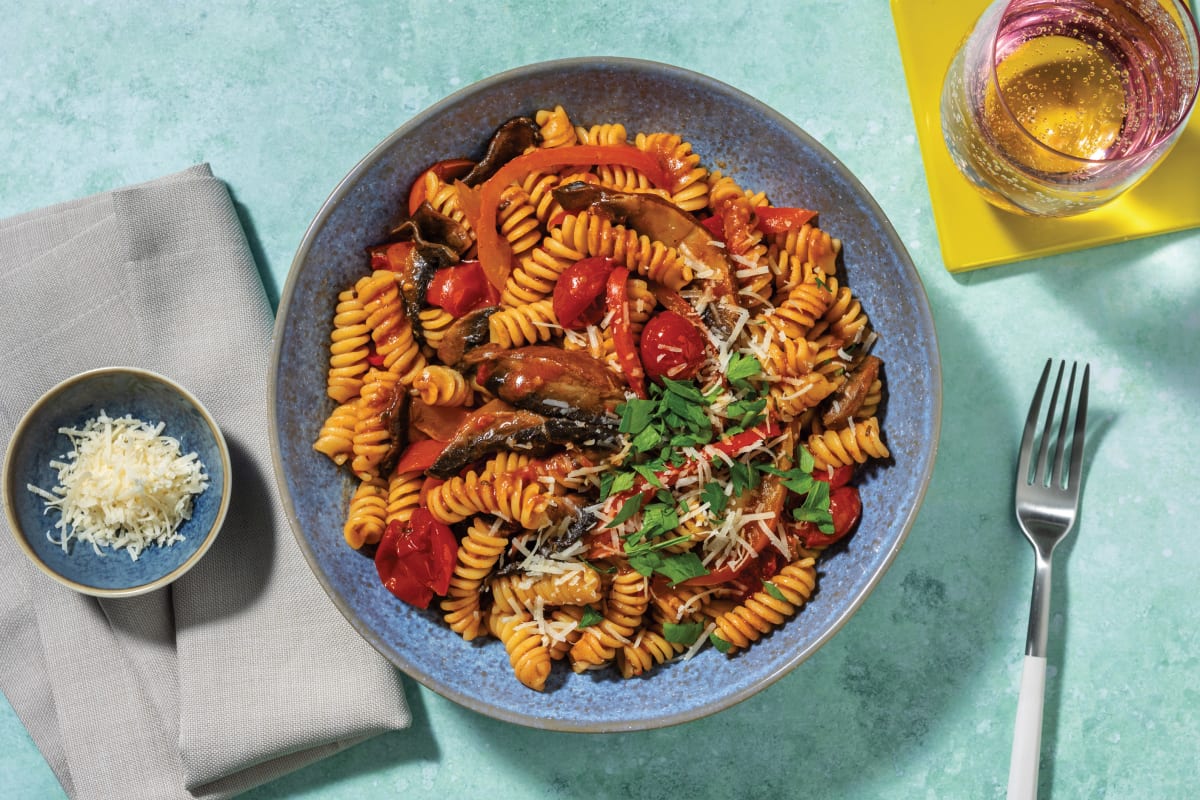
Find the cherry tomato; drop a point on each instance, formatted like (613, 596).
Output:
(839, 477)
(419, 456)
(671, 346)
(447, 170)
(461, 288)
(845, 506)
(415, 559)
(579, 292)
(782, 220)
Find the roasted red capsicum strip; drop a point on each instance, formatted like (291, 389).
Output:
(493, 252)
(782, 220)
(627, 352)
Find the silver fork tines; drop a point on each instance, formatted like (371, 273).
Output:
(1047, 502)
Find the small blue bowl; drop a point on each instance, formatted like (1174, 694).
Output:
(36, 442)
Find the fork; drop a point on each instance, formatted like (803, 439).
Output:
(1047, 502)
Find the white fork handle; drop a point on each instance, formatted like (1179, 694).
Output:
(1027, 735)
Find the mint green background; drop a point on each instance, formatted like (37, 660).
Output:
(915, 697)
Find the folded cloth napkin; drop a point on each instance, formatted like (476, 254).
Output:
(242, 670)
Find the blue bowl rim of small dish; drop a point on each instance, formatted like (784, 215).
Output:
(423, 660)
(224, 485)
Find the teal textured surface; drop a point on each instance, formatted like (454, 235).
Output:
(915, 697)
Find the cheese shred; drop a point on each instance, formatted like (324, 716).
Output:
(123, 485)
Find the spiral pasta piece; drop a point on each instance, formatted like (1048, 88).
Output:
(628, 599)
(850, 445)
(372, 433)
(576, 587)
(478, 553)
(527, 651)
(607, 133)
(349, 347)
(366, 519)
(434, 323)
(517, 220)
(594, 235)
(810, 244)
(511, 500)
(528, 323)
(336, 438)
(444, 199)
(689, 178)
(437, 385)
(555, 127)
(403, 495)
(764, 611)
(649, 650)
(796, 315)
(390, 329)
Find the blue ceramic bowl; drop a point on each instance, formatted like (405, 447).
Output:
(36, 442)
(764, 151)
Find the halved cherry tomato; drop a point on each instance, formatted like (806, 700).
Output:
(579, 292)
(671, 346)
(845, 506)
(781, 220)
(627, 355)
(419, 456)
(416, 558)
(447, 170)
(461, 288)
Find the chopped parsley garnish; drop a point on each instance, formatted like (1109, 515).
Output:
(773, 590)
(677, 418)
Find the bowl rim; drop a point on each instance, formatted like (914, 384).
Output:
(368, 161)
(6, 476)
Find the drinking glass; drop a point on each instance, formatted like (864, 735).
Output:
(1054, 107)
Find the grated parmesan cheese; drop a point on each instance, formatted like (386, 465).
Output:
(123, 485)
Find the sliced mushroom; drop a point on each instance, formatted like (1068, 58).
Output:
(848, 399)
(509, 141)
(552, 381)
(494, 428)
(464, 334)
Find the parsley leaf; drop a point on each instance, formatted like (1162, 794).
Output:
(681, 566)
(715, 496)
(719, 643)
(630, 507)
(590, 617)
(773, 590)
(742, 367)
(682, 632)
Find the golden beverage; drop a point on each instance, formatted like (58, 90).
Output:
(1054, 107)
(1062, 93)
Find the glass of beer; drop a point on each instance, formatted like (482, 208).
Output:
(1055, 107)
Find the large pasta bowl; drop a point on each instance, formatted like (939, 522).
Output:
(742, 137)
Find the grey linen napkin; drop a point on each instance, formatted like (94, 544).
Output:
(243, 669)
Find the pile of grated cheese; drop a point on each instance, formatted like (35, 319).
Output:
(123, 485)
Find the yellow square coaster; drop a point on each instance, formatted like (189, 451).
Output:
(972, 232)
